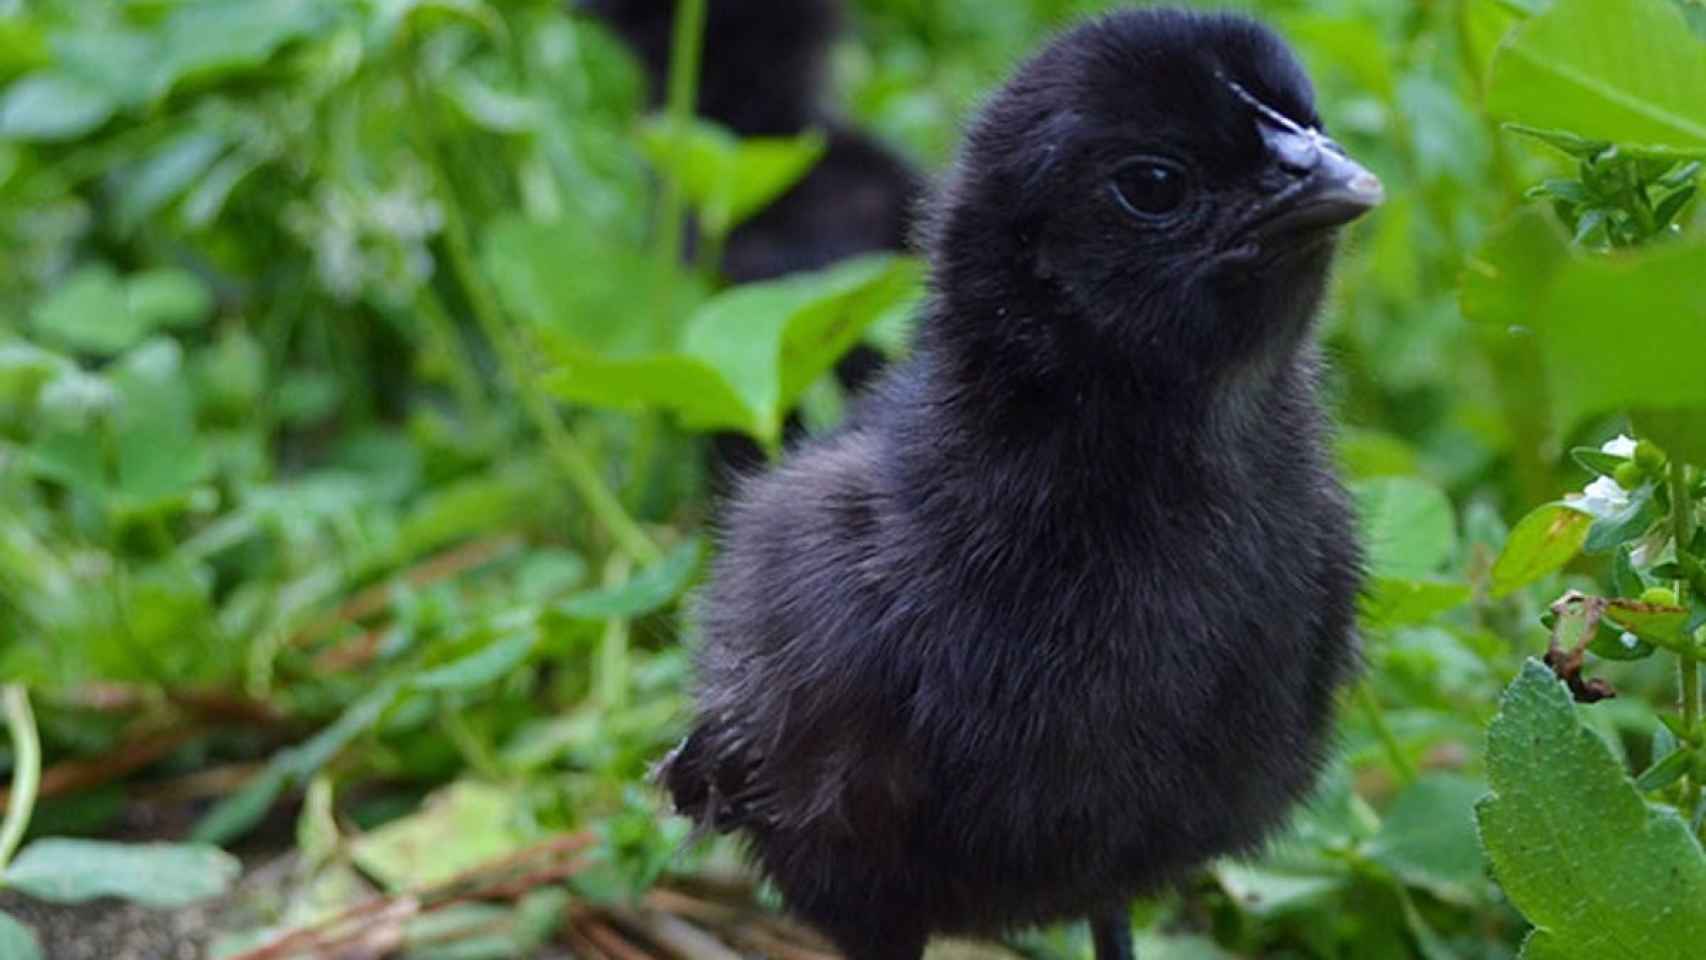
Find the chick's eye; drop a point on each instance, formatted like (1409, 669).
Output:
(1151, 187)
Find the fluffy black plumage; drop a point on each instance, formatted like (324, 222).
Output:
(1060, 613)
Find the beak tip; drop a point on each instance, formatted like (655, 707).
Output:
(1368, 188)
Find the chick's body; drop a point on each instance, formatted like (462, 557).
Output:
(1060, 613)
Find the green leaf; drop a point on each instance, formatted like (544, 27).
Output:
(491, 662)
(1655, 623)
(1611, 643)
(160, 456)
(289, 767)
(458, 828)
(1627, 522)
(748, 353)
(1428, 838)
(1628, 71)
(628, 307)
(685, 386)
(219, 36)
(1600, 873)
(52, 106)
(164, 175)
(1597, 460)
(1579, 147)
(1598, 365)
(1271, 892)
(1407, 524)
(88, 312)
(1543, 541)
(153, 874)
(1512, 270)
(1666, 771)
(1608, 326)
(727, 179)
(1678, 431)
(769, 341)
(1396, 602)
(95, 312)
(645, 592)
(122, 63)
(158, 299)
(17, 942)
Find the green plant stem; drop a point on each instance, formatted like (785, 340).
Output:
(683, 95)
(613, 662)
(26, 768)
(1688, 667)
(582, 474)
(1394, 751)
(460, 368)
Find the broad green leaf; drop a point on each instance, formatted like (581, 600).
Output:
(1428, 838)
(159, 454)
(17, 942)
(1396, 602)
(1597, 460)
(1681, 432)
(217, 36)
(153, 874)
(123, 64)
(89, 313)
(491, 662)
(460, 827)
(1365, 453)
(25, 368)
(727, 179)
(52, 106)
(1629, 71)
(646, 591)
(1269, 892)
(1600, 873)
(94, 311)
(159, 299)
(589, 288)
(748, 353)
(769, 341)
(845, 302)
(1543, 541)
(1669, 769)
(1407, 524)
(1612, 327)
(688, 387)
(1655, 623)
(1161, 946)
(1608, 326)
(1506, 277)
(164, 175)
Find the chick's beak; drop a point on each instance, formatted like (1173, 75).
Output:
(1324, 188)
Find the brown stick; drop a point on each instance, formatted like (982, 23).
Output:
(441, 566)
(70, 776)
(486, 880)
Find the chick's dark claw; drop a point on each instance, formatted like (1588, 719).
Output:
(1060, 614)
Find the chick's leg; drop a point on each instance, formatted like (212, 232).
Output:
(1111, 933)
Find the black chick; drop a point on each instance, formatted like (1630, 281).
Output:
(1061, 613)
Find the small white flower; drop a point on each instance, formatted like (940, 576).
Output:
(1619, 446)
(1599, 498)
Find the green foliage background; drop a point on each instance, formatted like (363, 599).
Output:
(352, 401)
